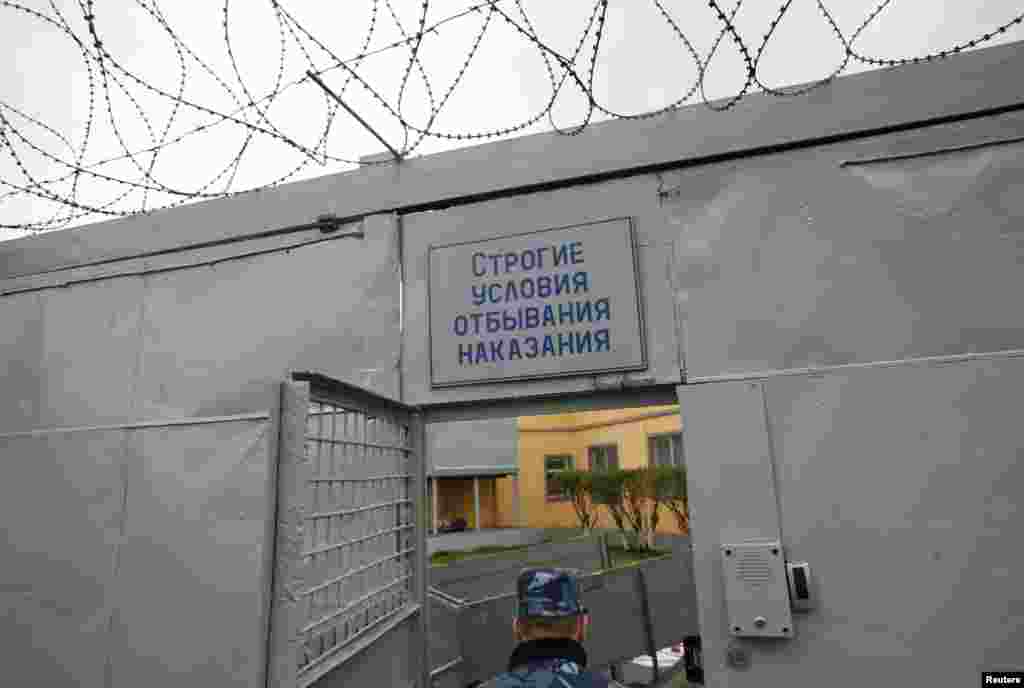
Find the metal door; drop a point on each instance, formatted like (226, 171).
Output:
(350, 562)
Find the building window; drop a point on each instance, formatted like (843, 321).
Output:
(553, 465)
(665, 450)
(604, 457)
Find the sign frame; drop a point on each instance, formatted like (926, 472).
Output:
(639, 304)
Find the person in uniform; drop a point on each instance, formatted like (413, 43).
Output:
(550, 627)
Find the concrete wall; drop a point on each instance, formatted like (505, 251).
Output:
(762, 249)
(133, 556)
(799, 260)
(482, 445)
(198, 340)
(900, 486)
(789, 260)
(138, 554)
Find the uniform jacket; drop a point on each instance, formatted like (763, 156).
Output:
(549, 663)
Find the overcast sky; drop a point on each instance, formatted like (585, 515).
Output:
(642, 65)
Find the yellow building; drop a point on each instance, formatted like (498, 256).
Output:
(620, 438)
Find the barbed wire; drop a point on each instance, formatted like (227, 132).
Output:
(117, 97)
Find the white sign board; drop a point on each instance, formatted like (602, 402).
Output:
(542, 304)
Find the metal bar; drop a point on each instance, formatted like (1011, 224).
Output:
(652, 651)
(581, 400)
(271, 552)
(314, 669)
(355, 572)
(180, 266)
(602, 544)
(605, 424)
(418, 438)
(341, 394)
(352, 112)
(349, 512)
(348, 543)
(822, 370)
(444, 668)
(354, 603)
(929, 153)
(138, 425)
(319, 223)
(356, 443)
(396, 476)
(463, 471)
(446, 598)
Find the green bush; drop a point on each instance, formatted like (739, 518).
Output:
(579, 485)
(634, 499)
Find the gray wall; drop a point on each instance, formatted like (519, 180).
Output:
(788, 260)
(770, 262)
(198, 341)
(479, 444)
(900, 486)
(179, 592)
(794, 260)
(138, 555)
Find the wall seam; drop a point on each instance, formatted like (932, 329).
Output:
(840, 368)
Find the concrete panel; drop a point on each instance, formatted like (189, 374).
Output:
(332, 308)
(730, 485)
(21, 349)
(901, 486)
(90, 360)
(977, 80)
(792, 260)
(580, 205)
(786, 261)
(191, 588)
(61, 505)
(917, 558)
(472, 444)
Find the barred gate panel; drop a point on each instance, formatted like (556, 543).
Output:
(353, 566)
(360, 534)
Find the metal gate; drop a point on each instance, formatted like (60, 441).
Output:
(350, 562)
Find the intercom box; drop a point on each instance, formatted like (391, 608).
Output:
(756, 590)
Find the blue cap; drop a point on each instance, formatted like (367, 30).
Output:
(548, 593)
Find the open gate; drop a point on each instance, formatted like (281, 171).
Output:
(350, 579)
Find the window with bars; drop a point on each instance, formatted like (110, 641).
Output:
(552, 465)
(665, 450)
